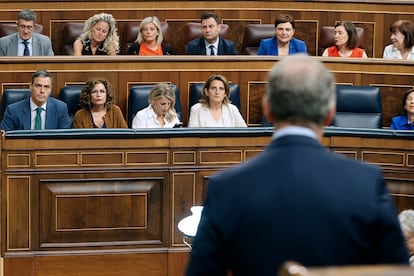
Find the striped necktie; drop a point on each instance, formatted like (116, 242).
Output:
(212, 53)
(26, 51)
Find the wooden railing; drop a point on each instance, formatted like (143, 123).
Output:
(109, 201)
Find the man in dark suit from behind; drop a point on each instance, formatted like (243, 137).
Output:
(24, 114)
(211, 44)
(296, 200)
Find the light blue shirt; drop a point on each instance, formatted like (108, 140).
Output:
(215, 44)
(20, 49)
(294, 130)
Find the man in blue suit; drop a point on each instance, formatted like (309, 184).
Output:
(296, 200)
(40, 111)
(25, 42)
(211, 44)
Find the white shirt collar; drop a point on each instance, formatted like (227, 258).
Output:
(29, 40)
(215, 44)
(33, 106)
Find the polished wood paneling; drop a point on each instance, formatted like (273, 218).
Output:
(18, 212)
(19, 266)
(57, 214)
(154, 264)
(97, 209)
(82, 212)
(140, 187)
(183, 197)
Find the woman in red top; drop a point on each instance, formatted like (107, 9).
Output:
(346, 42)
(150, 40)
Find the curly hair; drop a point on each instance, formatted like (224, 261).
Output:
(111, 43)
(85, 96)
(147, 20)
(204, 98)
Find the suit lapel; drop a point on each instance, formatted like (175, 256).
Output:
(275, 46)
(50, 109)
(202, 47)
(15, 45)
(27, 115)
(220, 50)
(35, 45)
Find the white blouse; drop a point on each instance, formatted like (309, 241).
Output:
(200, 116)
(391, 52)
(147, 118)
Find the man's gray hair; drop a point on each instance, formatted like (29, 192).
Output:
(406, 218)
(300, 90)
(27, 15)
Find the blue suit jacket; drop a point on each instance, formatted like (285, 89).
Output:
(269, 46)
(296, 201)
(42, 46)
(401, 123)
(18, 115)
(198, 47)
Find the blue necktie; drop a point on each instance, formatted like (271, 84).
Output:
(38, 119)
(212, 53)
(26, 51)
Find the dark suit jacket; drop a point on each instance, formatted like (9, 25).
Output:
(42, 46)
(296, 201)
(198, 47)
(18, 115)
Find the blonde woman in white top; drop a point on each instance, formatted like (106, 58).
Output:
(160, 113)
(214, 108)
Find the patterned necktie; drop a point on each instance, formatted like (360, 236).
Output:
(26, 51)
(212, 53)
(38, 120)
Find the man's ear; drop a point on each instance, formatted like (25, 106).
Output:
(266, 109)
(331, 115)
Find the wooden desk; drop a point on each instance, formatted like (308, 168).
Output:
(108, 202)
